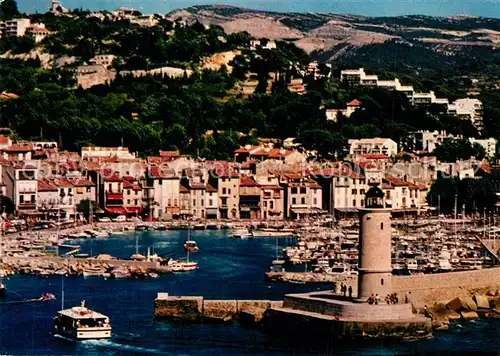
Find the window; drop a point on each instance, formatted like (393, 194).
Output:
(160, 181)
(110, 188)
(210, 202)
(269, 178)
(70, 190)
(265, 204)
(294, 201)
(88, 189)
(382, 282)
(303, 190)
(70, 201)
(388, 194)
(362, 192)
(354, 202)
(271, 204)
(302, 201)
(346, 180)
(136, 202)
(194, 202)
(136, 192)
(381, 226)
(128, 201)
(202, 202)
(223, 190)
(294, 190)
(21, 199)
(33, 197)
(228, 191)
(175, 202)
(128, 191)
(354, 191)
(315, 201)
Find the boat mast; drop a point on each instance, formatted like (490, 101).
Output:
(62, 293)
(187, 247)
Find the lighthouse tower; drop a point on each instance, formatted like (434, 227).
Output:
(374, 264)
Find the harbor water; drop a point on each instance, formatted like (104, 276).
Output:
(229, 269)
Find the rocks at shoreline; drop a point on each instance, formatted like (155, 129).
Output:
(463, 309)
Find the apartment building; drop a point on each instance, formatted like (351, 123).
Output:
(303, 196)
(272, 197)
(250, 194)
(364, 146)
(15, 27)
(21, 185)
(226, 180)
(489, 145)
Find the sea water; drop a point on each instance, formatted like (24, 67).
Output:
(229, 268)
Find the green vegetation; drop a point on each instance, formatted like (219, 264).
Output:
(8, 10)
(475, 194)
(452, 150)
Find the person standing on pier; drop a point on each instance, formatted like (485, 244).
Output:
(350, 291)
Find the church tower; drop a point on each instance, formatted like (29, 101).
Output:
(374, 264)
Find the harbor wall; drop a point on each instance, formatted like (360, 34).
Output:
(427, 289)
(46, 261)
(197, 308)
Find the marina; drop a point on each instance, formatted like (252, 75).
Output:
(241, 264)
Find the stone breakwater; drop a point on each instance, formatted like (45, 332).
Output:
(197, 309)
(45, 266)
(463, 308)
(313, 277)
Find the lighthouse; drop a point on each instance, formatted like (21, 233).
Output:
(374, 264)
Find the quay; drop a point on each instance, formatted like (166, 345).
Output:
(100, 266)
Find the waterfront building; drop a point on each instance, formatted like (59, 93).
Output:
(250, 194)
(303, 196)
(211, 202)
(106, 152)
(272, 197)
(84, 189)
(225, 178)
(112, 194)
(132, 196)
(18, 152)
(65, 193)
(21, 180)
(162, 192)
(47, 197)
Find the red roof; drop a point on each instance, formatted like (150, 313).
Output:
(375, 156)
(82, 182)
(211, 189)
(108, 177)
(114, 196)
(355, 102)
(162, 172)
(46, 186)
(169, 154)
(183, 189)
(18, 148)
(119, 210)
(4, 140)
(62, 183)
(248, 182)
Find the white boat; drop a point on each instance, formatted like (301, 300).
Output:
(81, 323)
(184, 266)
(277, 266)
(411, 265)
(270, 232)
(241, 233)
(191, 246)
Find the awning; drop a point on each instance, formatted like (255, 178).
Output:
(119, 210)
(114, 196)
(307, 210)
(30, 212)
(134, 210)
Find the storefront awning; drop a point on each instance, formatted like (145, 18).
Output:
(119, 210)
(114, 196)
(134, 210)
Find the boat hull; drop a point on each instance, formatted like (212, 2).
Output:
(257, 233)
(84, 333)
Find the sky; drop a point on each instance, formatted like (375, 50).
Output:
(487, 8)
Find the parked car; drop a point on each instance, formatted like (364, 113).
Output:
(104, 219)
(120, 218)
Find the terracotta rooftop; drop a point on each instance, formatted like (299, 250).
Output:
(82, 182)
(46, 186)
(354, 102)
(246, 181)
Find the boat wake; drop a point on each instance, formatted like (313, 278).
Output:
(120, 347)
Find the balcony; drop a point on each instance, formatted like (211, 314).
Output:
(27, 205)
(114, 196)
(27, 191)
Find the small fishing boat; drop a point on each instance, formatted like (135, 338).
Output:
(200, 226)
(191, 246)
(153, 275)
(2, 289)
(141, 227)
(161, 227)
(212, 226)
(241, 233)
(184, 266)
(270, 232)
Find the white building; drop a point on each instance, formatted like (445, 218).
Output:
(163, 188)
(468, 109)
(428, 140)
(366, 146)
(15, 27)
(21, 185)
(489, 145)
(38, 31)
(211, 202)
(351, 107)
(254, 44)
(103, 59)
(100, 152)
